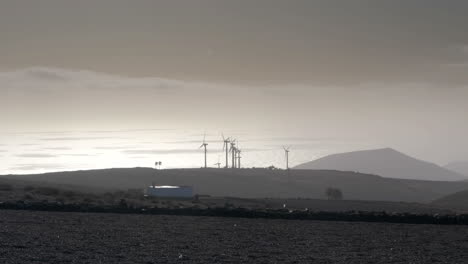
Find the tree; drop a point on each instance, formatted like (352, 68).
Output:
(158, 164)
(334, 193)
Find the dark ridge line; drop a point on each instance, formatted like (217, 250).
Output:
(350, 216)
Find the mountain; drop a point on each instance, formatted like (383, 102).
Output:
(459, 167)
(256, 183)
(387, 163)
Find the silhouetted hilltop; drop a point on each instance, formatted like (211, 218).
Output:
(386, 162)
(459, 167)
(258, 183)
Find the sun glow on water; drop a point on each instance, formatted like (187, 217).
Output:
(60, 151)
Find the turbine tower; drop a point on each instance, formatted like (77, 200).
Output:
(233, 152)
(238, 153)
(226, 142)
(286, 152)
(203, 145)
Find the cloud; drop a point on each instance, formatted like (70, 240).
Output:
(77, 155)
(40, 155)
(184, 142)
(59, 148)
(46, 74)
(75, 138)
(36, 167)
(184, 151)
(36, 155)
(86, 132)
(298, 139)
(47, 78)
(115, 147)
(63, 83)
(456, 65)
(165, 151)
(138, 157)
(131, 130)
(464, 49)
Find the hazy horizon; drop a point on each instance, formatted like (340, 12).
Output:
(112, 82)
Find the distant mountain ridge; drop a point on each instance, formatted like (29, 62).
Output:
(386, 162)
(459, 167)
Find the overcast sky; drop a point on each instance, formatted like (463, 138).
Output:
(394, 72)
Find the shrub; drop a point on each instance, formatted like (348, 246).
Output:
(123, 203)
(5, 187)
(334, 194)
(28, 196)
(47, 191)
(28, 188)
(69, 194)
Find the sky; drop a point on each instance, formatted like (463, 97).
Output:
(111, 82)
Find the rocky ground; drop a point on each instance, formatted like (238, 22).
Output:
(53, 237)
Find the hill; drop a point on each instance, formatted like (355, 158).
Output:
(257, 183)
(459, 167)
(15, 194)
(386, 162)
(457, 201)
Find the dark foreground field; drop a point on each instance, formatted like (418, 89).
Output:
(52, 237)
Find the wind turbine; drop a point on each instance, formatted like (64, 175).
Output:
(286, 152)
(203, 145)
(233, 150)
(238, 152)
(226, 142)
(239, 158)
(218, 163)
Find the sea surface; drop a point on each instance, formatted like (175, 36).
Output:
(48, 151)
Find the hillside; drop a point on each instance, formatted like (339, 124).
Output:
(459, 167)
(257, 183)
(456, 201)
(387, 163)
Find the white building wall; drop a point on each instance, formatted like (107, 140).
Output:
(170, 191)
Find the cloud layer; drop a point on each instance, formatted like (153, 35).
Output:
(51, 105)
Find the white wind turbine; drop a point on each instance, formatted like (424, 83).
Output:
(239, 158)
(286, 153)
(226, 142)
(233, 150)
(218, 163)
(203, 145)
(238, 152)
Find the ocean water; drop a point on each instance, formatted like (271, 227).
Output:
(39, 152)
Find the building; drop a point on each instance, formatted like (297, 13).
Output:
(170, 191)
